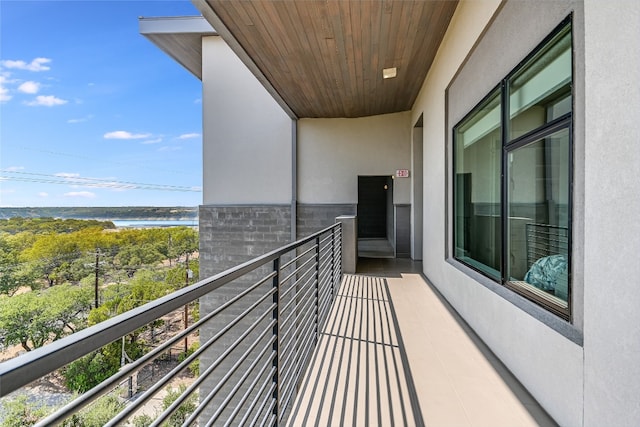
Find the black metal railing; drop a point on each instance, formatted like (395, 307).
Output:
(258, 327)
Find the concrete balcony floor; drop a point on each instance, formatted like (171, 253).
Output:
(393, 352)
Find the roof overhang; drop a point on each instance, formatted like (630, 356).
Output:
(325, 58)
(179, 37)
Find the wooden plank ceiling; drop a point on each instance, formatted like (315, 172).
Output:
(324, 58)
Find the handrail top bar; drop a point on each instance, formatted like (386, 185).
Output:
(28, 367)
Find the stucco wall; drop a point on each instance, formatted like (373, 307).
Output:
(612, 203)
(247, 136)
(333, 152)
(548, 363)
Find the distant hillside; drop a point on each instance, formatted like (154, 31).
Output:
(104, 213)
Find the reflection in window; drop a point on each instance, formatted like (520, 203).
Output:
(477, 188)
(538, 216)
(541, 90)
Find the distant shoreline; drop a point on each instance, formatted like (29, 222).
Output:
(155, 223)
(107, 213)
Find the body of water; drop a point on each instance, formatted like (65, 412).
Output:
(142, 223)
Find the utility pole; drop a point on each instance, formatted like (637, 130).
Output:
(97, 268)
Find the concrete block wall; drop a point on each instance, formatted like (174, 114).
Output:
(229, 236)
(314, 217)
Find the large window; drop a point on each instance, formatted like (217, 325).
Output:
(512, 178)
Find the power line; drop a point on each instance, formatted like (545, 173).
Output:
(78, 156)
(9, 175)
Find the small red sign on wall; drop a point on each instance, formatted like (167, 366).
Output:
(402, 173)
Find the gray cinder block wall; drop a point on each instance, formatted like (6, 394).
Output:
(229, 236)
(314, 217)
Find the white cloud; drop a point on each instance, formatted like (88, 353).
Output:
(81, 120)
(37, 64)
(46, 101)
(67, 175)
(198, 101)
(43, 194)
(167, 148)
(14, 168)
(83, 194)
(152, 141)
(29, 87)
(123, 134)
(189, 135)
(4, 92)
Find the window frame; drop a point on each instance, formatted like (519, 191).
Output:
(509, 145)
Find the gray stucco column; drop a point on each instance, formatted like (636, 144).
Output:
(349, 242)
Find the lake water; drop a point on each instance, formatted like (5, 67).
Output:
(154, 223)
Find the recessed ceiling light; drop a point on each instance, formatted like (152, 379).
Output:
(389, 73)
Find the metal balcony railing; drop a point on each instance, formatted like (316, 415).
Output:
(259, 325)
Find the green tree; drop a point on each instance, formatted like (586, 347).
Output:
(23, 321)
(69, 306)
(175, 276)
(14, 273)
(184, 242)
(131, 258)
(50, 225)
(9, 263)
(49, 253)
(90, 370)
(69, 257)
(34, 318)
(145, 286)
(160, 237)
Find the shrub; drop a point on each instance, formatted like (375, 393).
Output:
(89, 371)
(183, 412)
(96, 414)
(194, 367)
(142, 421)
(21, 413)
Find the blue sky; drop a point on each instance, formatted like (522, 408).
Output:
(91, 112)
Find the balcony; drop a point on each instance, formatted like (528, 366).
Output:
(298, 343)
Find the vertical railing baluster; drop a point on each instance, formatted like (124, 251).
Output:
(333, 263)
(317, 288)
(341, 246)
(276, 342)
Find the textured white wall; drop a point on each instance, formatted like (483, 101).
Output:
(333, 152)
(247, 136)
(547, 363)
(611, 213)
